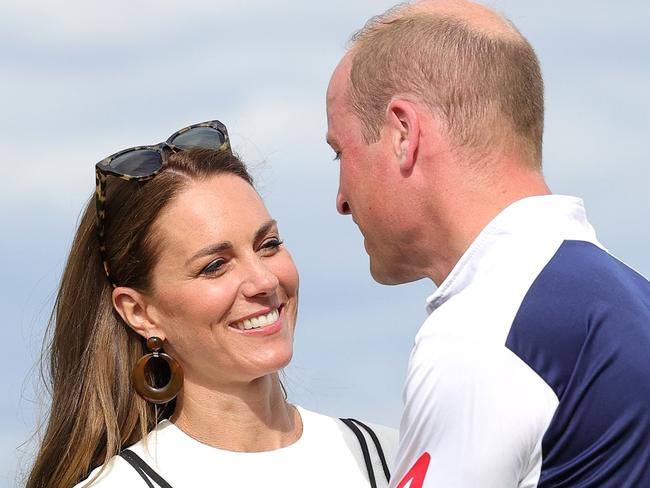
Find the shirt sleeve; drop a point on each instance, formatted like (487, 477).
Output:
(474, 415)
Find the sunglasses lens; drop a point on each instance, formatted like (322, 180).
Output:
(205, 137)
(143, 162)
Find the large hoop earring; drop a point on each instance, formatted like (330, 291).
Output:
(152, 394)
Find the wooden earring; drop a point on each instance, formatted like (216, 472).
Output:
(150, 393)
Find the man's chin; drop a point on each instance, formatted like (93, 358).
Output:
(386, 276)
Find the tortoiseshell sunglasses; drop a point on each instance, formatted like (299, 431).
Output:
(142, 163)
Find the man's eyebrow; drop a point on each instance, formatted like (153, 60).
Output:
(220, 247)
(330, 140)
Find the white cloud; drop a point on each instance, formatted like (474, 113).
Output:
(76, 23)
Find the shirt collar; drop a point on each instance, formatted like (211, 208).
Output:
(547, 216)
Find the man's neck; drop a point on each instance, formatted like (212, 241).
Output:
(473, 205)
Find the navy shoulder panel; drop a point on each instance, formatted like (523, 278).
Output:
(584, 327)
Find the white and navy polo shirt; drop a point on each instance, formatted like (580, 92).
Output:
(533, 367)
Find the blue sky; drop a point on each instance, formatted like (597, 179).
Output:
(83, 79)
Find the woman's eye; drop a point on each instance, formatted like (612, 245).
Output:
(214, 267)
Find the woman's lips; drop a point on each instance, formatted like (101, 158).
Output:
(264, 323)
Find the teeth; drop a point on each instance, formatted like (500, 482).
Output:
(257, 322)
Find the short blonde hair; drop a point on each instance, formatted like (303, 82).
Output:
(487, 89)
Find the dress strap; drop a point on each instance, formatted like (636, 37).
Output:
(364, 449)
(143, 469)
(380, 451)
(352, 425)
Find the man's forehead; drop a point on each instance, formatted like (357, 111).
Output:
(337, 115)
(340, 78)
(337, 106)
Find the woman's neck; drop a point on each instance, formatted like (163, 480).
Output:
(251, 417)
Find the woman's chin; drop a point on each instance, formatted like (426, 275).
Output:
(268, 365)
(277, 362)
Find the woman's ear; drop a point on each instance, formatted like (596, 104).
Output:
(135, 310)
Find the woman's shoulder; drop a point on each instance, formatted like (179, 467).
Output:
(355, 432)
(118, 472)
(115, 473)
(390, 434)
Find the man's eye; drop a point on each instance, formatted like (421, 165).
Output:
(272, 243)
(213, 267)
(337, 156)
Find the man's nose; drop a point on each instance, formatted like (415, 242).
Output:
(341, 204)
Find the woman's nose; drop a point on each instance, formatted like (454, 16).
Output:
(259, 279)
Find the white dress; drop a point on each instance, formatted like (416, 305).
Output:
(328, 454)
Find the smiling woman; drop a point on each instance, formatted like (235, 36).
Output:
(176, 310)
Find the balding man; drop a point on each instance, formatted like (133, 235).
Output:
(533, 367)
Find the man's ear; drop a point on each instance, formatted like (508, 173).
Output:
(402, 120)
(136, 311)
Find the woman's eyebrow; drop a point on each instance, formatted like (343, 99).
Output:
(264, 229)
(211, 249)
(220, 247)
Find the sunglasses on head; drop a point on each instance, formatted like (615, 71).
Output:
(142, 163)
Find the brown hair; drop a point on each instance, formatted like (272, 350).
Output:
(487, 88)
(94, 411)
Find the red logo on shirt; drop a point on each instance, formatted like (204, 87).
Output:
(417, 473)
